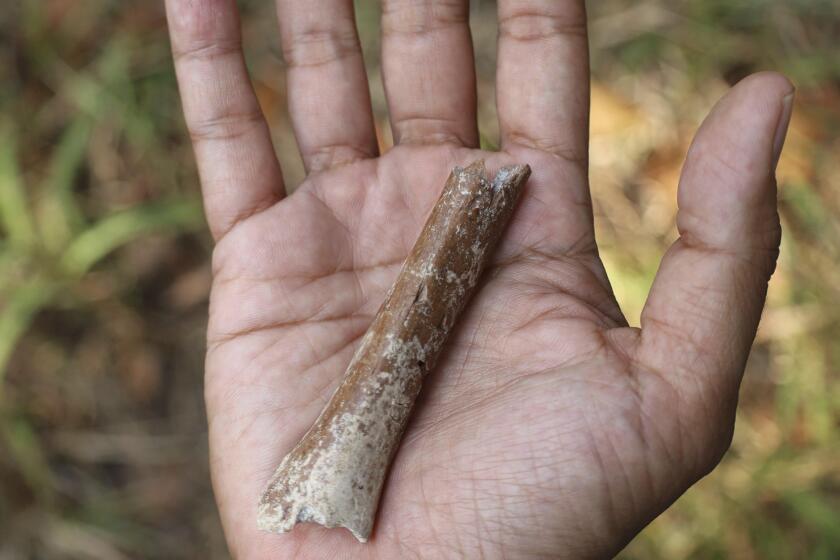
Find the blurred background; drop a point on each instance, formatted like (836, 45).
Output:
(104, 266)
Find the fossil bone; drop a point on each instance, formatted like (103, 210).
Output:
(334, 475)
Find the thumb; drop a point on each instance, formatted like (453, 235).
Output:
(703, 309)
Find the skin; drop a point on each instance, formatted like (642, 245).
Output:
(550, 428)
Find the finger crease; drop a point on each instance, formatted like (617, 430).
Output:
(754, 256)
(423, 18)
(226, 126)
(318, 48)
(428, 130)
(526, 27)
(335, 155)
(420, 28)
(562, 152)
(208, 51)
(534, 26)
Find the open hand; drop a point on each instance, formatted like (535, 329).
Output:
(550, 428)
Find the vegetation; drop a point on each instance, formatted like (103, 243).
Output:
(104, 266)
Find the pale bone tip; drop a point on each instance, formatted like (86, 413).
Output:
(272, 520)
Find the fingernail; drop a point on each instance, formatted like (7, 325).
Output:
(782, 128)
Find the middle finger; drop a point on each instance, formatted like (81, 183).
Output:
(429, 71)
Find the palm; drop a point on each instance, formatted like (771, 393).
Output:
(548, 427)
(283, 329)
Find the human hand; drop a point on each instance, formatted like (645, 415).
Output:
(549, 427)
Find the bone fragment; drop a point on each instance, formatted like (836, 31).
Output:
(334, 475)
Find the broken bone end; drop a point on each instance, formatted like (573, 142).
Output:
(510, 176)
(274, 519)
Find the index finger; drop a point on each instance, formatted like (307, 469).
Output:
(239, 171)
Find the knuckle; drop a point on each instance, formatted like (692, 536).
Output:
(532, 25)
(320, 44)
(207, 50)
(413, 17)
(228, 124)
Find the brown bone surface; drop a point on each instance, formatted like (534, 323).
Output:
(334, 475)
